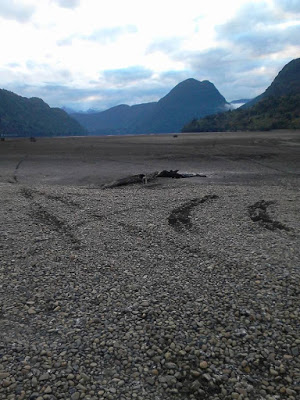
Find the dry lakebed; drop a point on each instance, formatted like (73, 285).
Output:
(156, 290)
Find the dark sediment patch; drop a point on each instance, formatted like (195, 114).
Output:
(180, 216)
(15, 177)
(39, 213)
(27, 193)
(258, 213)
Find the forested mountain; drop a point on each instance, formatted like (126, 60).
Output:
(189, 99)
(20, 116)
(277, 108)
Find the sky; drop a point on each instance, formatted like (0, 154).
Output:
(97, 54)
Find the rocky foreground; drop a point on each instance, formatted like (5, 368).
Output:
(170, 291)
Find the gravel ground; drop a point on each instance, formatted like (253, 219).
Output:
(171, 290)
(104, 295)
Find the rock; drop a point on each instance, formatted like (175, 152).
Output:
(6, 382)
(44, 377)
(203, 364)
(207, 377)
(48, 390)
(34, 382)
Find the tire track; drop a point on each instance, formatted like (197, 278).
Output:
(180, 218)
(15, 176)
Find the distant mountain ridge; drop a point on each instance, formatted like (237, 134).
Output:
(277, 108)
(287, 82)
(20, 116)
(189, 99)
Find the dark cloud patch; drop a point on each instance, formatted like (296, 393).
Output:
(67, 3)
(218, 64)
(250, 17)
(269, 41)
(128, 75)
(12, 9)
(258, 29)
(292, 6)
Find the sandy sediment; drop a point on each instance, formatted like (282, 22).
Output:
(178, 289)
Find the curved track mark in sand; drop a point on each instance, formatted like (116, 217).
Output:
(180, 216)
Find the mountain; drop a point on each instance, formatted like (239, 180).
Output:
(20, 116)
(287, 82)
(116, 120)
(277, 108)
(189, 99)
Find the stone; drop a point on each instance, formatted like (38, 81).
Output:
(44, 377)
(34, 382)
(48, 390)
(203, 364)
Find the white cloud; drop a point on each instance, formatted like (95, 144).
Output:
(67, 3)
(16, 10)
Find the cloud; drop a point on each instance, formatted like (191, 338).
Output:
(14, 9)
(252, 49)
(13, 65)
(292, 6)
(260, 29)
(96, 97)
(107, 35)
(169, 45)
(102, 36)
(130, 75)
(174, 77)
(67, 3)
(250, 17)
(269, 41)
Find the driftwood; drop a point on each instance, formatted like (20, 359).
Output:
(169, 174)
(146, 178)
(130, 180)
(175, 174)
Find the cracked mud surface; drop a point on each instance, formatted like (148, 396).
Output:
(101, 298)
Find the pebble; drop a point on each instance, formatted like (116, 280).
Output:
(203, 364)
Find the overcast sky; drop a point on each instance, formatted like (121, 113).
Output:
(97, 54)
